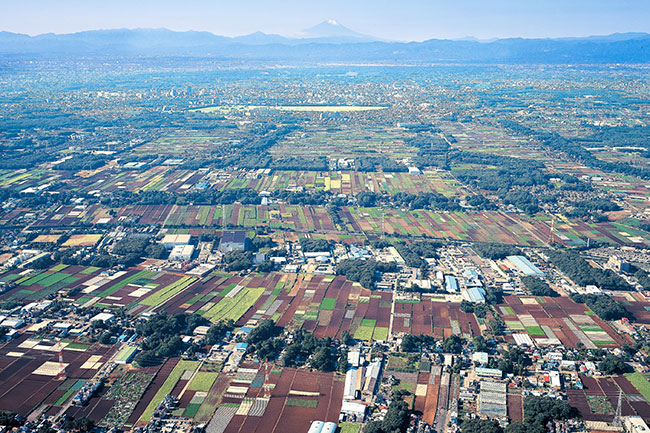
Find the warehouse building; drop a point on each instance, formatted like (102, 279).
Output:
(524, 266)
(171, 241)
(181, 253)
(233, 240)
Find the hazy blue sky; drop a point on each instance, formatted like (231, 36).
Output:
(390, 19)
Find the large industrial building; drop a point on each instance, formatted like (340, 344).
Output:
(524, 266)
(171, 241)
(233, 240)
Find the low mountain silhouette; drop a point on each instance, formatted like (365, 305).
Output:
(329, 42)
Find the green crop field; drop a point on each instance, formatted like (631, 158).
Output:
(165, 293)
(363, 333)
(235, 307)
(168, 386)
(117, 286)
(327, 304)
(301, 402)
(640, 383)
(591, 328)
(126, 353)
(347, 427)
(380, 333)
(535, 331)
(202, 381)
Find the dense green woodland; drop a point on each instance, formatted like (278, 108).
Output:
(583, 274)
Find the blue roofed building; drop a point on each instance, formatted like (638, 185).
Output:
(475, 294)
(241, 347)
(451, 283)
(524, 266)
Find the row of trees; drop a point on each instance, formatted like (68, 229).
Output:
(422, 200)
(365, 272)
(396, 419)
(370, 163)
(538, 411)
(84, 161)
(415, 253)
(605, 307)
(238, 260)
(495, 251)
(163, 335)
(315, 245)
(128, 252)
(508, 172)
(537, 286)
(319, 352)
(582, 273)
(267, 344)
(574, 149)
(120, 198)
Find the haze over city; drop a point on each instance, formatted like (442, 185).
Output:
(403, 21)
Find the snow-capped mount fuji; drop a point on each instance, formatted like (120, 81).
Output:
(332, 31)
(327, 42)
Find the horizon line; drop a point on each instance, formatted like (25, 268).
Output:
(466, 38)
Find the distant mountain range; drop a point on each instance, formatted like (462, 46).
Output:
(329, 42)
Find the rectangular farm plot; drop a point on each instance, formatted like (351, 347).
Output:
(167, 292)
(50, 368)
(641, 383)
(202, 381)
(550, 319)
(176, 374)
(82, 240)
(327, 304)
(234, 307)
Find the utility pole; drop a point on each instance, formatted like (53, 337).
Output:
(552, 240)
(267, 380)
(617, 419)
(61, 375)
